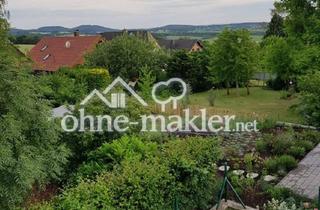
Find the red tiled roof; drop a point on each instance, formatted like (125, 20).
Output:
(52, 53)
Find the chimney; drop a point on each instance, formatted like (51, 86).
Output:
(76, 33)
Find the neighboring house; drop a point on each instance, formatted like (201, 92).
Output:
(182, 44)
(189, 45)
(143, 34)
(52, 53)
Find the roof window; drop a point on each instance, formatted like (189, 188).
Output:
(46, 57)
(44, 48)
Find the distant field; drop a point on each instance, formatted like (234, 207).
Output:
(25, 48)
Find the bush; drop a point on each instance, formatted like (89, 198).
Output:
(262, 146)
(310, 100)
(111, 155)
(281, 144)
(311, 136)
(136, 174)
(284, 162)
(191, 163)
(307, 145)
(297, 152)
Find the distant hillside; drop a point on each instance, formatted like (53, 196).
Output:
(58, 30)
(169, 31)
(259, 26)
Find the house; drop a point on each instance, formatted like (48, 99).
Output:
(52, 53)
(143, 34)
(189, 45)
(182, 44)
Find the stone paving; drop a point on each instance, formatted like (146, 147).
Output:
(305, 180)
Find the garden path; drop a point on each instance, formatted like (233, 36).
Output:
(305, 179)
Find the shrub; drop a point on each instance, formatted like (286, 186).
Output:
(262, 146)
(297, 152)
(284, 162)
(310, 100)
(111, 155)
(282, 143)
(86, 195)
(312, 136)
(191, 163)
(137, 174)
(307, 145)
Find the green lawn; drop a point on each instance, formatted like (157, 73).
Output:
(25, 48)
(261, 104)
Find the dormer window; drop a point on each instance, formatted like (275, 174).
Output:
(44, 48)
(46, 57)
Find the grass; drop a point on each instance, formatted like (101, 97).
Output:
(25, 48)
(261, 104)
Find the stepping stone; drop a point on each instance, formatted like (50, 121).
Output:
(238, 172)
(252, 175)
(269, 178)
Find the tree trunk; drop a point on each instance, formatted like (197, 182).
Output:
(237, 87)
(248, 90)
(228, 88)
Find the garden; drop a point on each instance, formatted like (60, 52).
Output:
(43, 167)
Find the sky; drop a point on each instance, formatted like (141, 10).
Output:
(119, 14)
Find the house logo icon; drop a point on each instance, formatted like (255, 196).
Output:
(118, 100)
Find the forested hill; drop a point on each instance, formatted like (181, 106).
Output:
(256, 28)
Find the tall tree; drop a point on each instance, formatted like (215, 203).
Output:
(276, 26)
(125, 55)
(232, 59)
(278, 59)
(298, 14)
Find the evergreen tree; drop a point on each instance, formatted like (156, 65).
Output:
(276, 26)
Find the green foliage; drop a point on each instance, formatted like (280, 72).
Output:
(191, 67)
(109, 156)
(307, 145)
(31, 152)
(309, 106)
(276, 26)
(125, 55)
(241, 184)
(146, 82)
(81, 144)
(311, 136)
(297, 152)
(278, 59)
(72, 85)
(87, 195)
(233, 58)
(280, 163)
(25, 39)
(141, 175)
